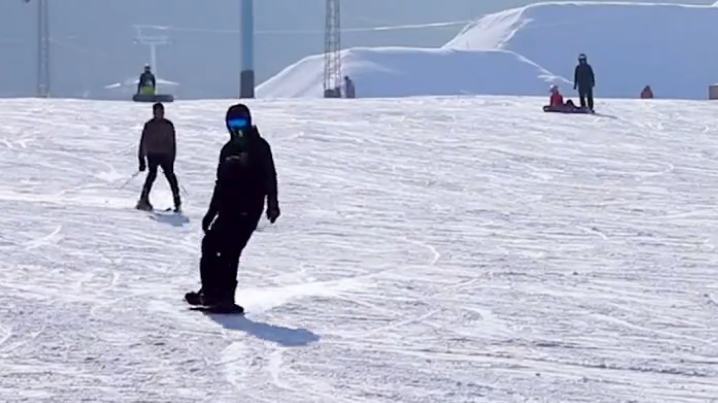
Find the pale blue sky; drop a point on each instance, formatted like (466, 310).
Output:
(93, 39)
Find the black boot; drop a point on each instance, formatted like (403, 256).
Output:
(194, 297)
(208, 298)
(144, 204)
(178, 203)
(226, 296)
(222, 301)
(202, 297)
(226, 299)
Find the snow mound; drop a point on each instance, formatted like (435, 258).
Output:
(668, 46)
(403, 72)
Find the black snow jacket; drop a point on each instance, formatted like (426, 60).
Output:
(158, 137)
(146, 78)
(583, 76)
(246, 176)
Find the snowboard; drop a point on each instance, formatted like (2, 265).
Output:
(157, 210)
(232, 310)
(196, 305)
(567, 109)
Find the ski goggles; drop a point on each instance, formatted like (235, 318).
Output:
(237, 123)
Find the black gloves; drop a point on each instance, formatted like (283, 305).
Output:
(143, 166)
(273, 211)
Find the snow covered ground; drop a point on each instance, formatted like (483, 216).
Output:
(430, 250)
(629, 44)
(521, 51)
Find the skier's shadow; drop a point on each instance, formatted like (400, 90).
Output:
(281, 335)
(173, 219)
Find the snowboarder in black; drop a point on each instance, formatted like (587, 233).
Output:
(158, 149)
(246, 176)
(584, 81)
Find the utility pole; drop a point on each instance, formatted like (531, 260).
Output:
(43, 48)
(332, 51)
(153, 41)
(246, 74)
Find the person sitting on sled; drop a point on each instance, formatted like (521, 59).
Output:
(147, 82)
(557, 99)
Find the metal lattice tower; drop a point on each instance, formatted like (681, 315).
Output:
(43, 48)
(332, 49)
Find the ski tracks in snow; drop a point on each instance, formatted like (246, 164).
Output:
(458, 249)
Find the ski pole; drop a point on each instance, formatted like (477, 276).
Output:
(134, 175)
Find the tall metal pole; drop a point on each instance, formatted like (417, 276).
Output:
(332, 50)
(43, 48)
(246, 75)
(152, 41)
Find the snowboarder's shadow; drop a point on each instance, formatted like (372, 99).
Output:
(174, 219)
(281, 335)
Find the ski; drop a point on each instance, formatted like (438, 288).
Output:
(158, 210)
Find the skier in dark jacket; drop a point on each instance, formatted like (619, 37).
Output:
(147, 83)
(158, 149)
(584, 80)
(246, 177)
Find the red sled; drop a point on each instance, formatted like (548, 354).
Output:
(566, 109)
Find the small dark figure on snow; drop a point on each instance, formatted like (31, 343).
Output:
(147, 83)
(584, 80)
(158, 148)
(246, 177)
(349, 88)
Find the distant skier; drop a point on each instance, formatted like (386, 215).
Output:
(158, 148)
(349, 88)
(147, 82)
(647, 92)
(584, 80)
(246, 176)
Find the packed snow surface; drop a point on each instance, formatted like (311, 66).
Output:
(524, 50)
(430, 250)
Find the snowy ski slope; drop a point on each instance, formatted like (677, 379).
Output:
(523, 50)
(430, 250)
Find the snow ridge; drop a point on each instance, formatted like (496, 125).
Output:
(630, 45)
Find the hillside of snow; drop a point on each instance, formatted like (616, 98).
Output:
(630, 45)
(404, 72)
(522, 51)
(443, 250)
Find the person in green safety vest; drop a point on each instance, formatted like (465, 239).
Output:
(147, 82)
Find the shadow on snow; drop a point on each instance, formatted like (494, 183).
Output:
(281, 335)
(171, 218)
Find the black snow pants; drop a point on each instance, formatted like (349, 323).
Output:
(222, 246)
(586, 94)
(166, 162)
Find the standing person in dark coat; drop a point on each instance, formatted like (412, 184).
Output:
(584, 80)
(246, 177)
(158, 149)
